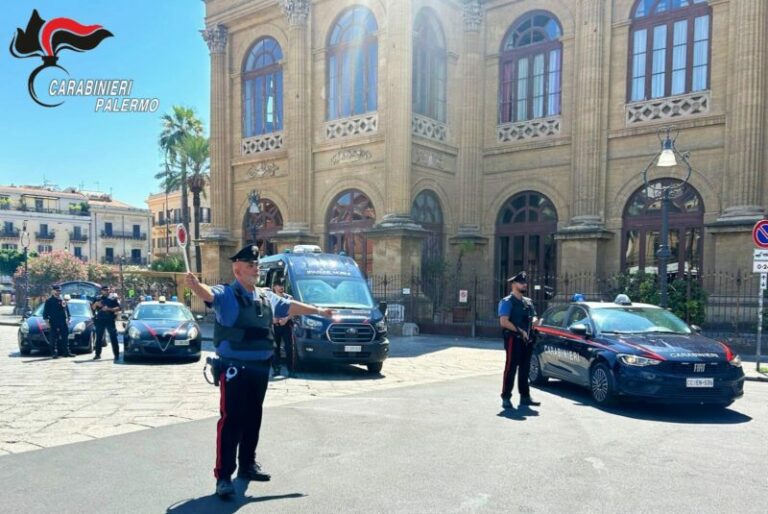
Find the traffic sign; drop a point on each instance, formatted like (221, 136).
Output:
(183, 238)
(759, 267)
(760, 234)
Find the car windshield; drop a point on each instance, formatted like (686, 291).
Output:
(79, 309)
(335, 292)
(157, 311)
(638, 320)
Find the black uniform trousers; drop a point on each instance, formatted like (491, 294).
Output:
(240, 409)
(284, 336)
(59, 338)
(108, 326)
(518, 356)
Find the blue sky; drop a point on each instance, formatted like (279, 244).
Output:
(156, 43)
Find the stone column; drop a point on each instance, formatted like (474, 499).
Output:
(297, 108)
(471, 123)
(585, 234)
(218, 242)
(746, 113)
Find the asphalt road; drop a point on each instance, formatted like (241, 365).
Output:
(440, 447)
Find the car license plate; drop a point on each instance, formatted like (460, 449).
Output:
(181, 342)
(699, 382)
(353, 348)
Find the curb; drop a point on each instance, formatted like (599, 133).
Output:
(10, 323)
(756, 379)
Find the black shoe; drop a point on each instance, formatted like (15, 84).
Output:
(254, 473)
(117, 358)
(69, 355)
(96, 357)
(224, 488)
(506, 403)
(527, 400)
(55, 356)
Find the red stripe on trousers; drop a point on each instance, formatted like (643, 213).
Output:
(506, 367)
(220, 425)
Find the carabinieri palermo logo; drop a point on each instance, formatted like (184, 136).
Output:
(45, 39)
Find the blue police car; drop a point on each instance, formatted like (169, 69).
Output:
(357, 333)
(162, 329)
(35, 333)
(635, 350)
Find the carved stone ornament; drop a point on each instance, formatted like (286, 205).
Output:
(428, 158)
(216, 38)
(347, 156)
(473, 16)
(297, 11)
(263, 169)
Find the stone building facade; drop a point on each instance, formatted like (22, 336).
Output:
(510, 131)
(166, 214)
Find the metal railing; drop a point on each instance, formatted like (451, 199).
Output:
(46, 236)
(123, 235)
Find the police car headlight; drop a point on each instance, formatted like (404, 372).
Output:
(134, 333)
(79, 328)
(381, 326)
(636, 360)
(736, 361)
(312, 324)
(193, 333)
(24, 328)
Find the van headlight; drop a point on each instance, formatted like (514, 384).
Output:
(636, 360)
(312, 324)
(193, 333)
(79, 328)
(134, 333)
(381, 326)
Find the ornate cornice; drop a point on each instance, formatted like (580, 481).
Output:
(297, 11)
(473, 15)
(216, 38)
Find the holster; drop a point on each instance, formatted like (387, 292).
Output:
(216, 368)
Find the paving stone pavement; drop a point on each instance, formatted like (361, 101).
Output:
(46, 402)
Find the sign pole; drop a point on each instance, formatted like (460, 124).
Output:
(760, 265)
(763, 283)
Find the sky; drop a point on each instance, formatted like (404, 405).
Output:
(156, 44)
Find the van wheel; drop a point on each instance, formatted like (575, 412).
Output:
(535, 374)
(375, 367)
(601, 385)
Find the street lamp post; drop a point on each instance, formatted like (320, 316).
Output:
(668, 157)
(24, 240)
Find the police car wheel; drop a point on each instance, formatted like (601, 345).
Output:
(535, 375)
(375, 367)
(91, 342)
(601, 384)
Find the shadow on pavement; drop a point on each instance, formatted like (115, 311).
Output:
(212, 504)
(333, 371)
(521, 413)
(635, 409)
(405, 347)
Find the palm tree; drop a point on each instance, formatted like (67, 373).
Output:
(181, 122)
(194, 153)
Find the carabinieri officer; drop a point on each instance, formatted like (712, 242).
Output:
(244, 338)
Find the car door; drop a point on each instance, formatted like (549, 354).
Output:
(547, 333)
(567, 360)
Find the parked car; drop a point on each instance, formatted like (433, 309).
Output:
(637, 350)
(162, 329)
(34, 332)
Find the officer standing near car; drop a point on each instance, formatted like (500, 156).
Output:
(56, 313)
(517, 315)
(283, 333)
(106, 308)
(244, 340)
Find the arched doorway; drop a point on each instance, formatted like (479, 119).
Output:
(642, 226)
(350, 216)
(525, 240)
(259, 228)
(426, 211)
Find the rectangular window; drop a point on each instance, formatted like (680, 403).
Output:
(347, 84)
(161, 218)
(39, 204)
(372, 79)
(333, 87)
(640, 54)
(249, 129)
(44, 248)
(136, 256)
(258, 112)
(538, 86)
(8, 227)
(137, 231)
(659, 66)
(505, 116)
(108, 228)
(78, 252)
(440, 87)
(43, 229)
(109, 254)
(10, 246)
(522, 89)
(679, 57)
(553, 87)
(700, 54)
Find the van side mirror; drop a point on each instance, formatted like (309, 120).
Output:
(580, 329)
(696, 329)
(383, 308)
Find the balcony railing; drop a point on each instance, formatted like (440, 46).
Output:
(14, 233)
(50, 235)
(129, 261)
(123, 235)
(80, 238)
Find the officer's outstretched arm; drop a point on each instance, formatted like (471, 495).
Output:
(298, 308)
(202, 291)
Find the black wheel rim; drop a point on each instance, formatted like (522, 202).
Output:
(534, 371)
(599, 385)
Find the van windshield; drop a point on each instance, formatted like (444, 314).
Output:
(346, 292)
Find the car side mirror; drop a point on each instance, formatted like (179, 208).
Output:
(199, 317)
(27, 314)
(124, 317)
(696, 329)
(383, 308)
(580, 329)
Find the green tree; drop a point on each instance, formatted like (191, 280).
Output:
(9, 261)
(51, 268)
(101, 273)
(174, 263)
(194, 150)
(687, 299)
(181, 122)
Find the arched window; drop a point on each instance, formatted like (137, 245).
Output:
(259, 228)
(352, 64)
(427, 212)
(350, 216)
(669, 48)
(530, 72)
(642, 225)
(263, 89)
(525, 240)
(429, 66)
